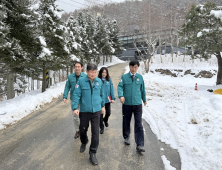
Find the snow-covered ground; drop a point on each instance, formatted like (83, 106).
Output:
(188, 120)
(11, 111)
(19, 107)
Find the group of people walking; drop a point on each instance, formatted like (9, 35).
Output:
(92, 96)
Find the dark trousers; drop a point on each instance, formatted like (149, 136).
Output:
(138, 128)
(85, 117)
(105, 119)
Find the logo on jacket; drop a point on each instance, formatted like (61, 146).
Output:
(138, 79)
(77, 86)
(97, 84)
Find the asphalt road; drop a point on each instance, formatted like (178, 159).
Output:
(44, 141)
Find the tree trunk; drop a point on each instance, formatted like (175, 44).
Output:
(111, 59)
(67, 70)
(97, 60)
(71, 69)
(54, 75)
(38, 84)
(192, 54)
(32, 83)
(10, 86)
(219, 74)
(43, 78)
(192, 50)
(63, 75)
(107, 58)
(177, 45)
(59, 75)
(165, 50)
(103, 60)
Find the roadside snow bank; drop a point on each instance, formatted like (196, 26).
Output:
(188, 120)
(19, 107)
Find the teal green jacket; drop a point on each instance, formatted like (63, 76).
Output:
(70, 85)
(108, 90)
(90, 100)
(133, 91)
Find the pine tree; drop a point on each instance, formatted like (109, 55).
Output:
(20, 42)
(114, 32)
(90, 31)
(54, 53)
(85, 53)
(203, 31)
(71, 38)
(102, 37)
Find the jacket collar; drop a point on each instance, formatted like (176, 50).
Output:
(87, 79)
(129, 74)
(81, 74)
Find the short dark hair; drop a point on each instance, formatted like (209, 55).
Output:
(134, 62)
(91, 67)
(101, 71)
(78, 63)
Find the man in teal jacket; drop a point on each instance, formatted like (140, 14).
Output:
(131, 91)
(89, 93)
(70, 86)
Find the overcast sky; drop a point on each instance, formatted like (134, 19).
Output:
(71, 5)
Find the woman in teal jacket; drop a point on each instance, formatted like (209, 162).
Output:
(109, 96)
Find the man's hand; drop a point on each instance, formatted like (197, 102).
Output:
(65, 100)
(145, 103)
(76, 112)
(112, 101)
(122, 100)
(103, 110)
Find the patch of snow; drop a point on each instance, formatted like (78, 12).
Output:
(199, 34)
(42, 41)
(19, 107)
(187, 120)
(217, 14)
(167, 163)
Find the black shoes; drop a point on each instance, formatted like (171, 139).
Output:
(101, 131)
(140, 149)
(76, 135)
(93, 159)
(106, 124)
(83, 147)
(127, 142)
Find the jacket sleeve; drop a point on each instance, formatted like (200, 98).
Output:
(102, 95)
(112, 90)
(67, 88)
(76, 96)
(120, 88)
(143, 92)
